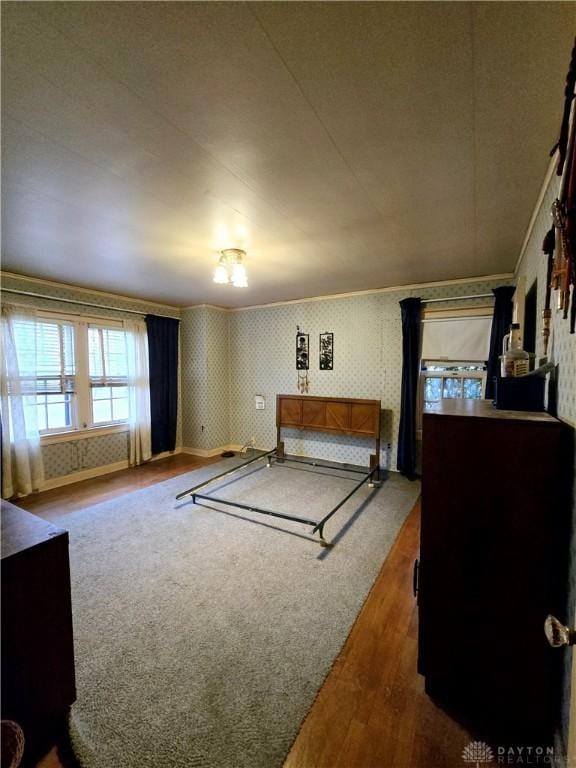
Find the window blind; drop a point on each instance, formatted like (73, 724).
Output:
(457, 338)
(107, 357)
(45, 351)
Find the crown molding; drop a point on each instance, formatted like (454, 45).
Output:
(370, 291)
(90, 291)
(539, 200)
(329, 297)
(207, 306)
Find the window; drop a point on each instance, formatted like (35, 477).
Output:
(449, 381)
(47, 348)
(455, 346)
(76, 374)
(108, 371)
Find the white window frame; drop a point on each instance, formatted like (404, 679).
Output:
(113, 422)
(49, 432)
(427, 373)
(450, 313)
(73, 417)
(83, 425)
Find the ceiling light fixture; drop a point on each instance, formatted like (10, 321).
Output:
(230, 269)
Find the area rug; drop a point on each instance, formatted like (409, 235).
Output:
(202, 633)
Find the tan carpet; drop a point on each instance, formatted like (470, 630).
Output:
(203, 636)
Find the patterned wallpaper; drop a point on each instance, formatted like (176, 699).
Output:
(204, 368)
(74, 455)
(228, 357)
(251, 352)
(65, 458)
(562, 345)
(367, 364)
(562, 351)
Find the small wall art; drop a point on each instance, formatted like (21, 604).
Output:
(326, 351)
(302, 351)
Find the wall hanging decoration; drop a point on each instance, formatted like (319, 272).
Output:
(302, 351)
(302, 359)
(326, 351)
(560, 242)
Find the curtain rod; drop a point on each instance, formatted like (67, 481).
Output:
(138, 312)
(460, 298)
(81, 303)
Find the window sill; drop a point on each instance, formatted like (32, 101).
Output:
(82, 434)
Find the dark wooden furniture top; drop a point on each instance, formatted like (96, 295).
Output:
(22, 530)
(483, 409)
(38, 678)
(340, 415)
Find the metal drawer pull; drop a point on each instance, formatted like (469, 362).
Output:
(557, 634)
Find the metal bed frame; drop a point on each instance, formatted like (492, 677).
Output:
(270, 456)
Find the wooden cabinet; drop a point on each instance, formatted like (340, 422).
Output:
(38, 681)
(492, 565)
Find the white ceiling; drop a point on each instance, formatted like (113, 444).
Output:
(345, 146)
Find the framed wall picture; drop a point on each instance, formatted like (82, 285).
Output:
(326, 351)
(302, 352)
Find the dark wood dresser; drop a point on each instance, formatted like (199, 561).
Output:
(38, 681)
(492, 563)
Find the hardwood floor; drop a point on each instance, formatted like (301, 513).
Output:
(60, 501)
(372, 711)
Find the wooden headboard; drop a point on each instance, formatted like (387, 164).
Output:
(338, 415)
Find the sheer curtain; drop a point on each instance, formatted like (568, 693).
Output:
(138, 392)
(22, 468)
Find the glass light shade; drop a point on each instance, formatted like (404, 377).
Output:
(239, 276)
(220, 274)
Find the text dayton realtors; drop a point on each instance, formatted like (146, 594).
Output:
(525, 755)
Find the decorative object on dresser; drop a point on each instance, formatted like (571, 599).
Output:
(492, 566)
(38, 679)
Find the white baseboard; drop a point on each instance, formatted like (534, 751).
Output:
(84, 474)
(208, 453)
(332, 461)
(165, 454)
(106, 469)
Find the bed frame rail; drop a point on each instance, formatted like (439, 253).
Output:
(316, 525)
(338, 415)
